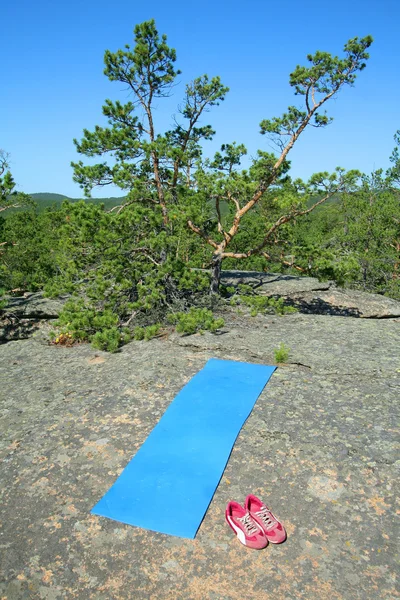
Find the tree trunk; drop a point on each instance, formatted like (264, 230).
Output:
(216, 265)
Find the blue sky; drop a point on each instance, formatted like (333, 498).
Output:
(53, 84)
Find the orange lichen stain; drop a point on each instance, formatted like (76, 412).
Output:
(378, 504)
(93, 526)
(96, 360)
(114, 587)
(290, 527)
(14, 445)
(330, 472)
(130, 392)
(373, 572)
(308, 464)
(93, 447)
(39, 459)
(124, 420)
(40, 482)
(47, 575)
(317, 532)
(53, 521)
(46, 468)
(324, 591)
(21, 577)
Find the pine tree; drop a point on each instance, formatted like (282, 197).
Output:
(9, 197)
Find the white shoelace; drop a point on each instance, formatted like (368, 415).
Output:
(249, 525)
(267, 518)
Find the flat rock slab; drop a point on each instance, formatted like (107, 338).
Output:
(316, 297)
(24, 315)
(34, 306)
(353, 303)
(321, 447)
(274, 284)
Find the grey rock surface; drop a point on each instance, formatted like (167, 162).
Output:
(24, 315)
(274, 284)
(321, 447)
(337, 301)
(312, 296)
(34, 306)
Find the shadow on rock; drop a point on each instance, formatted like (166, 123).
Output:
(317, 306)
(13, 328)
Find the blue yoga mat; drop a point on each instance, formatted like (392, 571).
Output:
(169, 483)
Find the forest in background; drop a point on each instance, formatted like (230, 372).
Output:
(131, 264)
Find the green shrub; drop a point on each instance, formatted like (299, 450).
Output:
(257, 304)
(146, 333)
(226, 291)
(282, 353)
(79, 322)
(245, 289)
(279, 307)
(262, 304)
(3, 301)
(109, 339)
(197, 319)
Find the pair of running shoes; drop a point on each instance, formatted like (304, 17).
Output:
(254, 524)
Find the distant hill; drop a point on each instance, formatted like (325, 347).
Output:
(46, 199)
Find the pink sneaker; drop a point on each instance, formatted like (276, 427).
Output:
(273, 529)
(246, 530)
